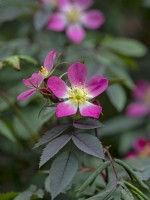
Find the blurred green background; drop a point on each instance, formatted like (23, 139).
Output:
(24, 42)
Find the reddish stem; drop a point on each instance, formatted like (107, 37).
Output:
(111, 160)
(93, 169)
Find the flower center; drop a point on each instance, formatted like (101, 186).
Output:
(145, 152)
(43, 71)
(73, 15)
(78, 95)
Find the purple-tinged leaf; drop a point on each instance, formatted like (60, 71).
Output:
(50, 135)
(62, 171)
(87, 123)
(88, 144)
(53, 147)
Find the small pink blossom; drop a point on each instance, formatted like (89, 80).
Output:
(35, 81)
(79, 94)
(141, 95)
(73, 16)
(141, 148)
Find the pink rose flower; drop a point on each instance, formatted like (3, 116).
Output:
(141, 106)
(79, 94)
(37, 78)
(72, 16)
(141, 148)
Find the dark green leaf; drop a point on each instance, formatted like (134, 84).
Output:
(4, 130)
(126, 46)
(62, 171)
(88, 144)
(126, 195)
(131, 173)
(117, 124)
(87, 123)
(41, 18)
(10, 9)
(50, 135)
(32, 191)
(53, 147)
(27, 59)
(117, 96)
(105, 195)
(135, 190)
(93, 176)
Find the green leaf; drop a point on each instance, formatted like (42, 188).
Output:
(50, 135)
(53, 147)
(126, 46)
(41, 18)
(117, 96)
(87, 123)
(14, 61)
(8, 195)
(88, 144)
(93, 176)
(141, 167)
(10, 10)
(131, 173)
(105, 195)
(27, 59)
(135, 191)
(117, 71)
(117, 124)
(62, 171)
(126, 195)
(4, 130)
(32, 191)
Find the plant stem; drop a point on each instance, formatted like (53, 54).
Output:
(93, 176)
(112, 162)
(106, 170)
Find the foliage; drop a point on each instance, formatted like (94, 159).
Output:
(77, 160)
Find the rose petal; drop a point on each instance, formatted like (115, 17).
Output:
(35, 80)
(131, 155)
(93, 19)
(90, 110)
(141, 90)
(58, 87)
(84, 4)
(57, 22)
(96, 85)
(137, 110)
(77, 74)
(140, 143)
(49, 60)
(26, 94)
(64, 5)
(75, 33)
(66, 108)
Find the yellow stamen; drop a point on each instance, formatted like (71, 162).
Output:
(43, 71)
(78, 95)
(73, 15)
